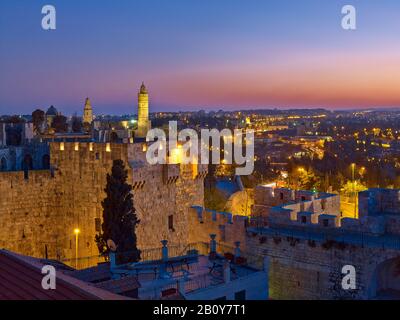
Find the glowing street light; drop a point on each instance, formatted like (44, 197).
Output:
(353, 167)
(77, 231)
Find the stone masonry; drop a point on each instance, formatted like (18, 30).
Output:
(40, 209)
(305, 243)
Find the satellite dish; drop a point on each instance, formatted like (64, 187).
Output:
(111, 245)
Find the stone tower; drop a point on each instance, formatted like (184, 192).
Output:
(87, 112)
(143, 112)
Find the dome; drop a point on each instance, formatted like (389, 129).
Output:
(51, 111)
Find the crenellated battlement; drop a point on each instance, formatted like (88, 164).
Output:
(228, 228)
(43, 207)
(307, 247)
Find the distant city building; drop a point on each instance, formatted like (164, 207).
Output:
(143, 112)
(87, 112)
(50, 114)
(15, 134)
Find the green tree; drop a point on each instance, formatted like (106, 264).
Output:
(214, 199)
(119, 217)
(38, 117)
(76, 124)
(353, 187)
(59, 124)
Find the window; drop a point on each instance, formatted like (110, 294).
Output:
(303, 219)
(323, 205)
(325, 223)
(281, 195)
(240, 295)
(171, 223)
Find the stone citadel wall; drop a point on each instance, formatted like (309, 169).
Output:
(305, 257)
(39, 210)
(305, 266)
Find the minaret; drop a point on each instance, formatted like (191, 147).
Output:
(87, 112)
(143, 112)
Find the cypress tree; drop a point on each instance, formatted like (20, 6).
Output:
(119, 217)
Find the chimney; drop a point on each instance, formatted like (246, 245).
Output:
(181, 286)
(164, 250)
(237, 249)
(113, 264)
(164, 257)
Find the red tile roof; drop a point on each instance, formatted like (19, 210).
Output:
(122, 285)
(21, 279)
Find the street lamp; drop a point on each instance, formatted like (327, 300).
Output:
(77, 231)
(301, 170)
(353, 167)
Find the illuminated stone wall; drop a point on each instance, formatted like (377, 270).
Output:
(302, 268)
(228, 228)
(306, 256)
(39, 212)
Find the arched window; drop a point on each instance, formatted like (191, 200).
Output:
(3, 164)
(46, 162)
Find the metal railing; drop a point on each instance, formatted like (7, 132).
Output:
(84, 262)
(174, 251)
(146, 255)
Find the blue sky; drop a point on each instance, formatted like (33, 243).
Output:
(195, 54)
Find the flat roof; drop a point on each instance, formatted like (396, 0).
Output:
(201, 274)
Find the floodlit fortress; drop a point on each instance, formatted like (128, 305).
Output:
(54, 185)
(306, 243)
(41, 208)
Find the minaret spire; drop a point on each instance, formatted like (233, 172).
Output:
(87, 112)
(143, 112)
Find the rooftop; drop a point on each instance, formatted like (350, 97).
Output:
(158, 276)
(195, 274)
(21, 279)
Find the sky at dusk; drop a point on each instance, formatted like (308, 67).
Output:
(198, 54)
